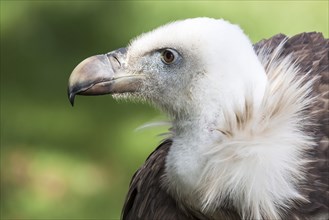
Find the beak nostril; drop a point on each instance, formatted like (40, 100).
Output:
(117, 60)
(114, 60)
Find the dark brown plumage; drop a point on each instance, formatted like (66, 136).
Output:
(148, 199)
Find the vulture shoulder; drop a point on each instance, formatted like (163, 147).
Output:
(148, 199)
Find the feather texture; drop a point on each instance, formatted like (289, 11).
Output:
(305, 58)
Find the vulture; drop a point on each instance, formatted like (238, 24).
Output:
(249, 129)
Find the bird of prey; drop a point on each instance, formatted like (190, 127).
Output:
(249, 135)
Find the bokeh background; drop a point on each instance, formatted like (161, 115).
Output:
(59, 162)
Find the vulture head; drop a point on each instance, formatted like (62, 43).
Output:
(186, 68)
(238, 118)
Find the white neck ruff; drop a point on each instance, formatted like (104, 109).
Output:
(251, 155)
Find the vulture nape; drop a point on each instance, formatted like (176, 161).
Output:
(250, 129)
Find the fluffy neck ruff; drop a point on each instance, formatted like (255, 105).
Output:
(249, 156)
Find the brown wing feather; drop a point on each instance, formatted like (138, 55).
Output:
(147, 199)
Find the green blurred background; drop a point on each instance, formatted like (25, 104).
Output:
(63, 162)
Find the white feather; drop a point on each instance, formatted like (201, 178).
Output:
(237, 118)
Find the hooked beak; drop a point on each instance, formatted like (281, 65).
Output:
(102, 74)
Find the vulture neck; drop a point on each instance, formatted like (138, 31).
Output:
(246, 153)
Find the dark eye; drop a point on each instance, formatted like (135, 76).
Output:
(168, 56)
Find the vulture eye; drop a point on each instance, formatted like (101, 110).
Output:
(168, 56)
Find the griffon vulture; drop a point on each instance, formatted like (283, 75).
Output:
(249, 136)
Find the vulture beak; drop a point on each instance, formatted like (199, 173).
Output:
(102, 74)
